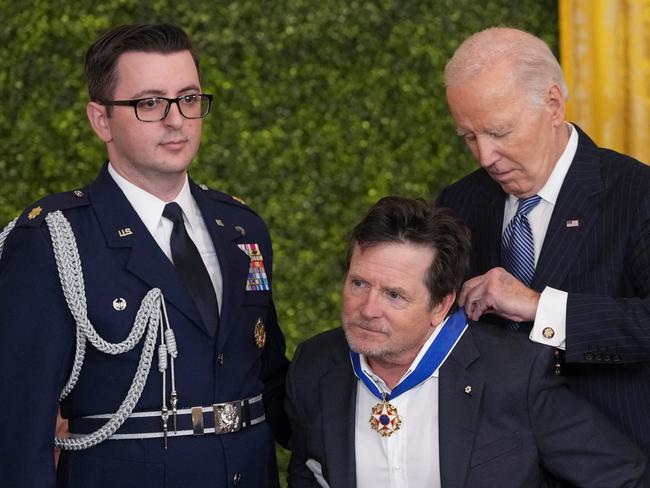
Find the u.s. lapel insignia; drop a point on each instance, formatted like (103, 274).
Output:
(260, 333)
(125, 232)
(257, 279)
(219, 222)
(241, 230)
(35, 212)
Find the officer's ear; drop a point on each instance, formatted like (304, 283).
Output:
(98, 117)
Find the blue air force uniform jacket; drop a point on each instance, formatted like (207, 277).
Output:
(121, 260)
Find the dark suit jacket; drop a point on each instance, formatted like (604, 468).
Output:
(37, 345)
(519, 419)
(603, 264)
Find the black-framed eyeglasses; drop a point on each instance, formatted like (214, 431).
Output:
(155, 109)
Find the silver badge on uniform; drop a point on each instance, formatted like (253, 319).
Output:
(119, 304)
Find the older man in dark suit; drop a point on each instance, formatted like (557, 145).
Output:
(560, 227)
(408, 394)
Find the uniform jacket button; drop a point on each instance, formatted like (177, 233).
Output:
(236, 479)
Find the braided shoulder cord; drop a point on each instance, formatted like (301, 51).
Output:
(148, 317)
(5, 233)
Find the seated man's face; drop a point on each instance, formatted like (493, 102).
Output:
(387, 314)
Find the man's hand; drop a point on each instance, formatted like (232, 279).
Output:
(61, 431)
(500, 293)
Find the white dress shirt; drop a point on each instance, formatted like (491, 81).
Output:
(150, 208)
(409, 458)
(551, 310)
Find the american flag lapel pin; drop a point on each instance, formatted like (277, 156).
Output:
(573, 223)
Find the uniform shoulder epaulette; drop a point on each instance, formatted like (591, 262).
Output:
(34, 215)
(226, 198)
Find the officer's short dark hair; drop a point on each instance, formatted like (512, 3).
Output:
(102, 56)
(407, 220)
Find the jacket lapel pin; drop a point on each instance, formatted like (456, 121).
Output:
(573, 223)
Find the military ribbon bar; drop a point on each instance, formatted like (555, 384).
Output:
(257, 279)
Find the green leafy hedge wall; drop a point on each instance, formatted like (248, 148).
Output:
(321, 107)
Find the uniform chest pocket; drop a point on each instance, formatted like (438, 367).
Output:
(257, 299)
(112, 308)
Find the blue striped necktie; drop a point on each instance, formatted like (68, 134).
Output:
(518, 245)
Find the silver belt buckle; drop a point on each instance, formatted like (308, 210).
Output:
(227, 417)
(197, 420)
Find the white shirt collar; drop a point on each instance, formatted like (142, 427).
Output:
(551, 188)
(149, 207)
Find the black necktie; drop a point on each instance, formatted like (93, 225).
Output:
(192, 270)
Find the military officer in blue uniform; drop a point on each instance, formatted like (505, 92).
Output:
(143, 297)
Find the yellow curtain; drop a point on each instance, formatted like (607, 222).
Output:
(605, 54)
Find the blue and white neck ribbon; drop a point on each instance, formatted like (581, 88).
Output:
(438, 351)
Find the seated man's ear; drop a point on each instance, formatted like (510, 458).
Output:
(440, 311)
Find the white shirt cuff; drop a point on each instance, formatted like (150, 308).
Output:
(549, 327)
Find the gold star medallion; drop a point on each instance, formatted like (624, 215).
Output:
(385, 419)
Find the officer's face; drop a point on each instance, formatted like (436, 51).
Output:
(386, 310)
(152, 153)
(515, 141)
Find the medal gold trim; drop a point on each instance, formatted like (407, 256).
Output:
(260, 333)
(385, 419)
